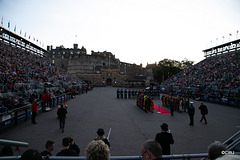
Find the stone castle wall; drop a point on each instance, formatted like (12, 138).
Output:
(101, 68)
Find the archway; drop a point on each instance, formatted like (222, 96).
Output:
(109, 82)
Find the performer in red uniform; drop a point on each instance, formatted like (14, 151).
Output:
(34, 111)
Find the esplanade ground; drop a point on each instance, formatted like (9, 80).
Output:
(130, 126)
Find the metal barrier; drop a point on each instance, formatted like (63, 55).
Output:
(13, 143)
(231, 144)
(179, 156)
(24, 112)
(233, 136)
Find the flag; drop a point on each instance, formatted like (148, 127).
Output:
(15, 29)
(2, 21)
(25, 34)
(9, 24)
(21, 32)
(29, 36)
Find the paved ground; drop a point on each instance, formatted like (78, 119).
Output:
(130, 125)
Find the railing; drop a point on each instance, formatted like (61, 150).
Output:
(24, 112)
(13, 143)
(233, 143)
(179, 156)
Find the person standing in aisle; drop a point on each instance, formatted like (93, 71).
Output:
(34, 111)
(62, 111)
(191, 112)
(204, 112)
(165, 138)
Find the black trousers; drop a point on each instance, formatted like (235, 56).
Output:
(33, 117)
(191, 119)
(203, 118)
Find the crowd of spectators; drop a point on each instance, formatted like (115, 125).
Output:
(219, 75)
(22, 73)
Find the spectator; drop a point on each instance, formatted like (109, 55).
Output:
(34, 111)
(65, 149)
(43, 103)
(2, 108)
(215, 150)
(6, 151)
(100, 136)
(97, 150)
(62, 111)
(74, 146)
(31, 154)
(151, 150)
(49, 148)
(164, 139)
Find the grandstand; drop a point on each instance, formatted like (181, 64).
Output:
(215, 79)
(24, 70)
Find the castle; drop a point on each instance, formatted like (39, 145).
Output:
(100, 68)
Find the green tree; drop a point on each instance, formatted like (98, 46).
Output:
(168, 68)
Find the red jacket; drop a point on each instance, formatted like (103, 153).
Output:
(47, 97)
(34, 106)
(43, 97)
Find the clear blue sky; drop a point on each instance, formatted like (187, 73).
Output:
(136, 31)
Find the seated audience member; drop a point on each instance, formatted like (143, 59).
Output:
(100, 136)
(97, 150)
(49, 148)
(2, 108)
(31, 154)
(151, 150)
(65, 149)
(215, 150)
(74, 146)
(6, 151)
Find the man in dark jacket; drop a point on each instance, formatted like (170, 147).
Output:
(164, 139)
(74, 146)
(62, 111)
(65, 149)
(204, 111)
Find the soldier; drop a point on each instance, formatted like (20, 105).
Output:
(148, 103)
(125, 93)
(129, 94)
(144, 103)
(152, 105)
(121, 92)
(191, 111)
(137, 99)
(118, 93)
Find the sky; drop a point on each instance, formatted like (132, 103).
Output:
(135, 31)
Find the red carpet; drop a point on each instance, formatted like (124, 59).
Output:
(160, 109)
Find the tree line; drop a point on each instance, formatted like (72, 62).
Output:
(167, 68)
